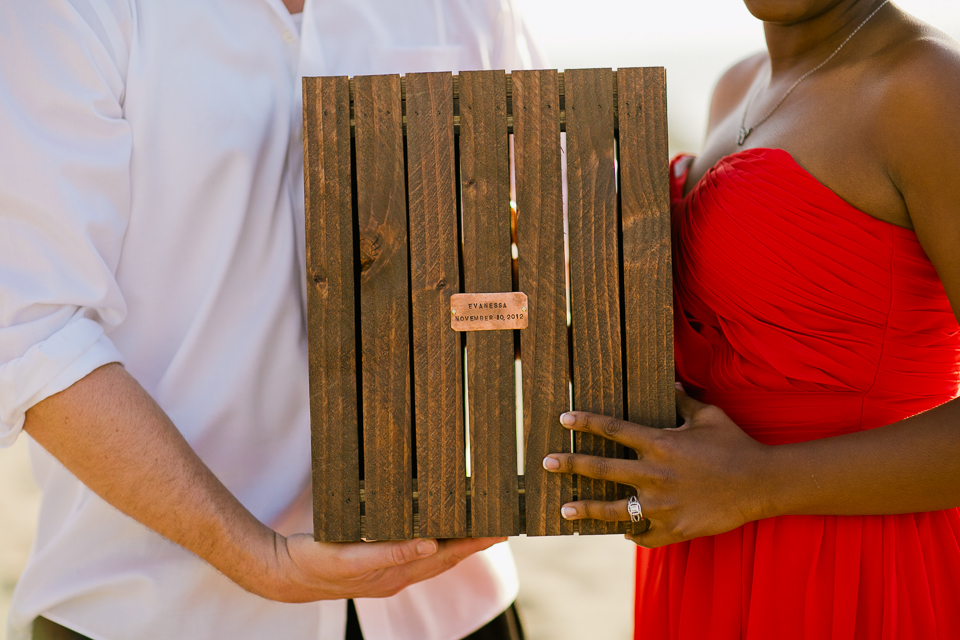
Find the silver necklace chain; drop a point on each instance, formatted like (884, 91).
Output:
(744, 132)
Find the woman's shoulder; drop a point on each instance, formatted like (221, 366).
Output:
(733, 85)
(913, 93)
(920, 63)
(912, 100)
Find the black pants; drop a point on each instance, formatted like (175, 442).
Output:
(506, 626)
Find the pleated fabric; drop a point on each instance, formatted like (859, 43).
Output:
(803, 318)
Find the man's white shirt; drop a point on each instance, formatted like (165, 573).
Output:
(151, 213)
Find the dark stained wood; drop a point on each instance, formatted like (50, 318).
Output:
(647, 261)
(434, 277)
(485, 188)
(543, 344)
(621, 296)
(594, 268)
(384, 308)
(456, 98)
(331, 323)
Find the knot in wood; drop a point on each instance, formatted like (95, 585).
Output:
(370, 247)
(319, 284)
(441, 285)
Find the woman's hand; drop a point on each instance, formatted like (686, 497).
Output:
(702, 478)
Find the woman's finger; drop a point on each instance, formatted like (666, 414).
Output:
(626, 433)
(652, 538)
(599, 468)
(607, 511)
(596, 510)
(687, 407)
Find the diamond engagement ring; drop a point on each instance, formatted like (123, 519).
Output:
(634, 509)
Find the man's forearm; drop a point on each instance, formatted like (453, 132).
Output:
(112, 435)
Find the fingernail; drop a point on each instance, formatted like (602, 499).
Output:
(678, 386)
(427, 547)
(566, 419)
(551, 464)
(568, 512)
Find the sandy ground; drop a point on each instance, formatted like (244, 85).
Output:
(571, 587)
(576, 588)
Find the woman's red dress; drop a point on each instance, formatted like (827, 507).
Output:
(803, 317)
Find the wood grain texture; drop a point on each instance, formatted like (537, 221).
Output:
(331, 324)
(434, 277)
(543, 344)
(384, 308)
(485, 188)
(594, 269)
(647, 260)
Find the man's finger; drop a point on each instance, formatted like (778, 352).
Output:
(450, 554)
(464, 547)
(626, 433)
(372, 556)
(596, 467)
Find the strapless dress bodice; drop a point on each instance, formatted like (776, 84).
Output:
(803, 317)
(799, 314)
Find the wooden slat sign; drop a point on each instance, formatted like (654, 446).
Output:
(448, 287)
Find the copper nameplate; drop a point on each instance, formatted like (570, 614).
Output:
(488, 311)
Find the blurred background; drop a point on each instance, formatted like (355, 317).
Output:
(695, 40)
(572, 588)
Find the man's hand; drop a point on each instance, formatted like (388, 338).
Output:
(111, 434)
(308, 570)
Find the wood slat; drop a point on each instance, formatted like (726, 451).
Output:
(331, 325)
(647, 261)
(434, 277)
(485, 188)
(543, 344)
(384, 308)
(594, 269)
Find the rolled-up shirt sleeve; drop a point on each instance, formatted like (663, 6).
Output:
(65, 152)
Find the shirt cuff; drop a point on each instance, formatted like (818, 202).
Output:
(48, 368)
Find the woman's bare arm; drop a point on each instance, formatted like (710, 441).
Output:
(708, 476)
